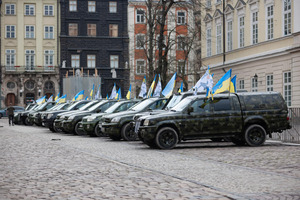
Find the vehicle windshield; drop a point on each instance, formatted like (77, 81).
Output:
(29, 107)
(182, 105)
(113, 107)
(140, 106)
(94, 107)
(38, 107)
(55, 107)
(71, 106)
(175, 100)
(33, 107)
(87, 105)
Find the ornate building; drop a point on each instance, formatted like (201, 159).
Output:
(258, 39)
(29, 58)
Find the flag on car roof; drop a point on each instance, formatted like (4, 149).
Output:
(143, 92)
(150, 91)
(167, 92)
(223, 84)
(78, 96)
(128, 96)
(62, 99)
(233, 84)
(57, 96)
(157, 90)
(113, 92)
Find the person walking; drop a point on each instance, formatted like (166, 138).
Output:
(10, 113)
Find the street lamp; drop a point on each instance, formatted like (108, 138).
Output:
(39, 92)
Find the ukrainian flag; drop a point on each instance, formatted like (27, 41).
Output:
(128, 96)
(78, 96)
(62, 99)
(118, 96)
(167, 92)
(113, 92)
(41, 100)
(143, 92)
(91, 94)
(151, 88)
(157, 90)
(57, 96)
(223, 84)
(50, 98)
(233, 85)
(107, 96)
(181, 88)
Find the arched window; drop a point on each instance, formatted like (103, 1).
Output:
(11, 85)
(49, 85)
(29, 85)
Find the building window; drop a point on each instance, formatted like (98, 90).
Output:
(208, 42)
(140, 16)
(208, 3)
(270, 24)
(29, 32)
(140, 67)
(75, 61)
(113, 30)
(49, 57)
(255, 28)
(10, 31)
(180, 67)
(287, 86)
(48, 10)
(91, 61)
(219, 38)
(140, 41)
(73, 29)
(229, 35)
(92, 6)
(29, 59)
(29, 85)
(269, 83)
(73, 5)
(114, 61)
(10, 57)
(181, 43)
(254, 84)
(11, 85)
(241, 84)
(91, 29)
(112, 7)
(181, 17)
(287, 13)
(49, 32)
(241, 31)
(49, 85)
(29, 9)
(10, 9)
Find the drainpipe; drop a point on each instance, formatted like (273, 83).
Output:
(0, 60)
(224, 34)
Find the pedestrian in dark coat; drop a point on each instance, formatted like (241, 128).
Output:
(10, 113)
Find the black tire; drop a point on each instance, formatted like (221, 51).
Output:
(128, 134)
(98, 132)
(238, 141)
(166, 138)
(115, 138)
(77, 131)
(27, 122)
(56, 130)
(151, 144)
(255, 135)
(52, 129)
(1, 115)
(216, 139)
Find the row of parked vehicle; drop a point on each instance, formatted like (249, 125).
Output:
(243, 118)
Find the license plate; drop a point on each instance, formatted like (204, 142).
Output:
(137, 126)
(88, 126)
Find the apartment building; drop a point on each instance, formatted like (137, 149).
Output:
(179, 25)
(94, 42)
(258, 39)
(29, 58)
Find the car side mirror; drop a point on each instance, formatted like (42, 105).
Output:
(190, 110)
(98, 110)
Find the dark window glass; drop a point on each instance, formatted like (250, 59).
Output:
(221, 104)
(201, 105)
(158, 104)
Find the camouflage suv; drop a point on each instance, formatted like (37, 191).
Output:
(246, 118)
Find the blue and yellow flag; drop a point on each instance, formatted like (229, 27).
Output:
(157, 90)
(143, 92)
(128, 96)
(181, 88)
(62, 99)
(57, 96)
(233, 85)
(223, 84)
(41, 100)
(149, 94)
(97, 96)
(107, 96)
(167, 92)
(92, 91)
(118, 96)
(113, 92)
(78, 96)
(50, 98)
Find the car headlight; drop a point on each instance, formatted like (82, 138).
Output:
(116, 119)
(49, 116)
(89, 119)
(146, 122)
(71, 117)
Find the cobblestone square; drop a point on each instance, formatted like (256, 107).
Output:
(38, 164)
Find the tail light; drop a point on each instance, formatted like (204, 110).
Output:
(288, 118)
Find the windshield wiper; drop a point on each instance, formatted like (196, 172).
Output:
(173, 110)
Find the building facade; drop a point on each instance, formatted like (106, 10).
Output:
(179, 26)
(29, 58)
(94, 42)
(258, 39)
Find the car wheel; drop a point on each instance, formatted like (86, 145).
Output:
(238, 141)
(151, 144)
(78, 131)
(56, 129)
(27, 122)
(255, 135)
(128, 133)
(98, 132)
(115, 138)
(166, 138)
(52, 129)
(1, 115)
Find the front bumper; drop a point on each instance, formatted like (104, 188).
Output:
(89, 127)
(147, 133)
(68, 125)
(111, 129)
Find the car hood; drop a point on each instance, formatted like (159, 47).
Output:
(167, 115)
(153, 112)
(121, 114)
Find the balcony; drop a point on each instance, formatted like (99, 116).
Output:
(28, 69)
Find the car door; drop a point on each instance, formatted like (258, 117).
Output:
(227, 115)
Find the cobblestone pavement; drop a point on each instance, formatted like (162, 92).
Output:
(38, 164)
